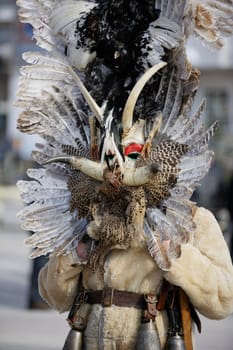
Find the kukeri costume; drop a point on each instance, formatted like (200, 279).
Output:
(112, 99)
(203, 270)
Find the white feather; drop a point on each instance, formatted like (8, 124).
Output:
(66, 14)
(156, 249)
(193, 169)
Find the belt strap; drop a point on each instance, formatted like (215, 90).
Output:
(108, 297)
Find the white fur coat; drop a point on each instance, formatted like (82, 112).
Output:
(204, 271)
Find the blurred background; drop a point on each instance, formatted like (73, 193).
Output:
(25, 321)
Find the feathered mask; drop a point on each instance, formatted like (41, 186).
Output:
(111, 95)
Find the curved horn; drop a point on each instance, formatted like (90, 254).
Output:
(140, 176)
(84, 165)
(127, 116)
(89, 99)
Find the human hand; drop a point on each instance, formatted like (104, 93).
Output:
(84, 249)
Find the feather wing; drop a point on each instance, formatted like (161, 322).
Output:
(181, 151)
(47, 213)
(54, 109)
(53, 23)
(56, 117)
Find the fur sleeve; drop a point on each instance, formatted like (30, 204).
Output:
(58, 281)
(204, 270)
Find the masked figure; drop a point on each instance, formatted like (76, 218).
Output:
(131, 256)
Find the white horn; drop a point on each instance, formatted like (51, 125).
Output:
(127, 115)
(84, 165)
(96, 110)
(140, 176)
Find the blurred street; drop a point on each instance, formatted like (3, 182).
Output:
(22, 329)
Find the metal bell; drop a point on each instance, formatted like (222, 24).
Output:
(73, 340)
(175, 342)
(148, 338)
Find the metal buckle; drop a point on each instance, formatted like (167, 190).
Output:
(107, 297)
(150, 298)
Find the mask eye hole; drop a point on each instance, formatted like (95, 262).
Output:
(108, 159)
(109, 156)
(133, 155)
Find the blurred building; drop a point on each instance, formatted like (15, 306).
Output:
(7, 60)
(15, 38)
(216, 86)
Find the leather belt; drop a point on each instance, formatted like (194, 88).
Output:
(108, 297)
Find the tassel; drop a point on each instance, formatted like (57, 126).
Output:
(148, 338)
(73, 340)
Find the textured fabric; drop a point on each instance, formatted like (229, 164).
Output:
(203, 270)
